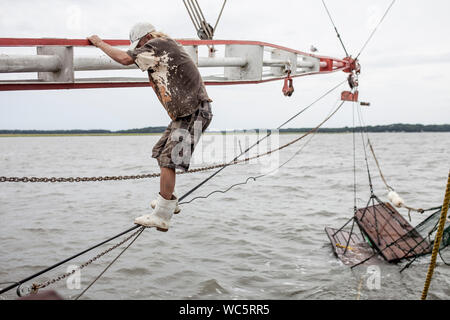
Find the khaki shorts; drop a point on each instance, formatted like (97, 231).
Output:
(174, 149)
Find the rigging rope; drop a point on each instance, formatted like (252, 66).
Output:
(437, 240)
(254, 178)
(193, 18)
(337, 32)
(355, 208)
(374, 30)
(204, 30)
(364, 148)
(388, 187)
(205, 25)
(110, 264)
(354, 160)
(257, 142)
(65, 260)
(37, 286)
(220, 15)
(372, 196)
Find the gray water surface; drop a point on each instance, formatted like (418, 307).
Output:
(262, 240)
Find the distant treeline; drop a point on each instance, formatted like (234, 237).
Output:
(398, 127)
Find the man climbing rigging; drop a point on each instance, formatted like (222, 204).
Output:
(179, 87)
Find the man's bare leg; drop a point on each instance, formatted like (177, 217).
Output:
(164, 207)
(167, 183)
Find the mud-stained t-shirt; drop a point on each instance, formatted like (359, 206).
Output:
(173, 75)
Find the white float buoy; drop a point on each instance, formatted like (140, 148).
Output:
(396, 199)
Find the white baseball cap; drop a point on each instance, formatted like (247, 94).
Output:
(138, 31)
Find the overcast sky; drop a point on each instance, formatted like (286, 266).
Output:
(405, 68)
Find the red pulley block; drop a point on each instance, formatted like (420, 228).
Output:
(288, 88)
(348, 96)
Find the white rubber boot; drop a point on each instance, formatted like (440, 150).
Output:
(160, 217)
(177, 208)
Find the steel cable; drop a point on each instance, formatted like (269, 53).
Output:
(257, 142)
(111, 263)
(337, 32)
(254, 178)
(374, 30)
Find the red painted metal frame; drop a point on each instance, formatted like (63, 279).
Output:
(32, 42)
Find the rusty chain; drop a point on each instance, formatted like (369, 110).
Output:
(154, 175)
(151, 175)
(77, 179)
(104, 178)
(129, 177)
(36, 286)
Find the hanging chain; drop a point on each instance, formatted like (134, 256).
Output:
(112, 178)
(77, 179)
(154, 175)
(36, 286)
(139, 232)
(143, 176)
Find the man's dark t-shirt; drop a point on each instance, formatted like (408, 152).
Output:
(173, 75)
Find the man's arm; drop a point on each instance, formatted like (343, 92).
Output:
(117, 55)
